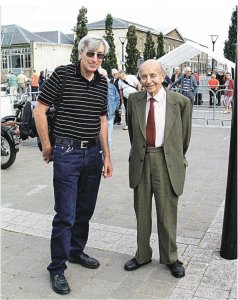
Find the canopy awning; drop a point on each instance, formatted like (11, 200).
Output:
(189, 50)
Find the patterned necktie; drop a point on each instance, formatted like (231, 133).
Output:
(150, 127)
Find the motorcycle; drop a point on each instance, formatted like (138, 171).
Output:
(10, 140)
(10, 135)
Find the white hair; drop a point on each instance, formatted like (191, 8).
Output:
(114, 71)
(103, 72)
(187, 69)
(92, 43)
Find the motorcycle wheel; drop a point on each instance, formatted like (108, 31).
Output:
(7, 161)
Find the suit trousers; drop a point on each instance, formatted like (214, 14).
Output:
(155, 182)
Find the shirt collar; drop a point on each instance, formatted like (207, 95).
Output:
(157, 97)
(97, 76)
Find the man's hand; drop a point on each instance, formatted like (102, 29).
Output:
(107, 168)
(47, 154)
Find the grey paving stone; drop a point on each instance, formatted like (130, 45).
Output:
(112, 237)
(153, 289)
(181, 294)
(211, 293)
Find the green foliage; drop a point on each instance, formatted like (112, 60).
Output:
(230, 44)
(133, 54)
(149, 50)
(160, 45)
(110, 60)
(80, 30)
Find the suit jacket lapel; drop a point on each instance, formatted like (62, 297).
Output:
(141, 112)
(170, 116)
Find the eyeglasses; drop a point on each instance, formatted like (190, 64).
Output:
(114, 74)
(92, 54)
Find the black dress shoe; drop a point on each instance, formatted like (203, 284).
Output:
(85, 261)
(59, 284)
(177, 269)
(133, 265)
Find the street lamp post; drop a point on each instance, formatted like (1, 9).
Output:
(122, 40)
(214, 38)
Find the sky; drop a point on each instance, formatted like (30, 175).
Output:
(195, 20)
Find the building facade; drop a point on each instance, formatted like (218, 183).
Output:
(22, 50)
(172, 37)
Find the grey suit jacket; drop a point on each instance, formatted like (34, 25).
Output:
(178, 122)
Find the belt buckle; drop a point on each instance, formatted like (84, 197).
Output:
(82, 144)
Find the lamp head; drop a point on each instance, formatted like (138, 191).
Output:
(214, 37)
(122, 39)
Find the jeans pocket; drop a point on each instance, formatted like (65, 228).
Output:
(60, 150)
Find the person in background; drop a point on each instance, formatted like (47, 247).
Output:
(176, 74)
(113, 103)
(22, 82)
(188, 84)
(34, 84)
(196, 76)
(41, 80)
(221, 77)
(114, 80)
(127, 84)
(213, 84)
(228, 94)
(167, 81)
(13, 85)
(80, 139)
(159, 127)
(8, 75)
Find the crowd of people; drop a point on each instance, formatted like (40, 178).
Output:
(20, 83)
(220, 86)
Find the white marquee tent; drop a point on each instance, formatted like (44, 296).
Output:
(189, 50)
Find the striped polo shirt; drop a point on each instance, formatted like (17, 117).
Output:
(186, 84)
(82, 105)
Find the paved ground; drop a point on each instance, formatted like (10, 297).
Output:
(27, 211)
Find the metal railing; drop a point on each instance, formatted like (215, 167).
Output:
(205, 114)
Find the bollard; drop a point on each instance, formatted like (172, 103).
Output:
(229, 231)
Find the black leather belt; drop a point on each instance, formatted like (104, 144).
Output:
(75, 143)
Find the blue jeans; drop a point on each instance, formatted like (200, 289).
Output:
(77, 175)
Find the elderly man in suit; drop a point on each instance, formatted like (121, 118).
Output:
(159, 125)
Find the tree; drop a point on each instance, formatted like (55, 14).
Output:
(230, 44)
(133, 54)
(149, 50)
(110, 60)
(160, 45)
(80, 30)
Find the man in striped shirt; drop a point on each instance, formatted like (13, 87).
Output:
(80, 132)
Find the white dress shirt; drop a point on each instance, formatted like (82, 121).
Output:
(160, 110)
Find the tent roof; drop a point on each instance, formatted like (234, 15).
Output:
(189, 50)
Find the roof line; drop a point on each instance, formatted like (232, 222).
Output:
(20, 29)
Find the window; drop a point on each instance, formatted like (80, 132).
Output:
(17, 61)
(16, 58)
(27, 61)
(4, 62)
